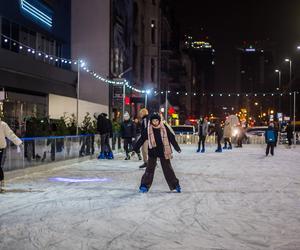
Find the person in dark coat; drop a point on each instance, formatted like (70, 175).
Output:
(202, 133)
(159, 139)
(144, 115)
(240, 136)
(289, 133)
(104, 128)
(270, 139)
(219, 134)
(128, 133)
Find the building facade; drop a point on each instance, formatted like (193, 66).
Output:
(39, 39)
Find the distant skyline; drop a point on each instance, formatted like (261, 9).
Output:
(229, 23)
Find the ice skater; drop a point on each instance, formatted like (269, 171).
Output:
(227, 135)
(202, 133)
(104, 128)
(6, 132)
(159, 146)
(219, 134)
(144, 115)
(271, 139)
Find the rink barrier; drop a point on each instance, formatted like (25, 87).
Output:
(37, 151)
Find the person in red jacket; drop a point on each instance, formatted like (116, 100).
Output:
(159, 139)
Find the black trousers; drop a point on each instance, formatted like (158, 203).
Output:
(127, 145)
(201, 141)
(105, 147)
(290, 141)
(219, 138)
(271, 146)
(227, 140)
(168, 171)
(1, 170)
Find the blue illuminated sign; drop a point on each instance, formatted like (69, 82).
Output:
(38, 11)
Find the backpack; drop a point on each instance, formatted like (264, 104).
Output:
(270, 136)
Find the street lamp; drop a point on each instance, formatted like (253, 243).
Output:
(279, 78)
(289, 61)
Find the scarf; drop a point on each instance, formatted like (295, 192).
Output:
(164, 138)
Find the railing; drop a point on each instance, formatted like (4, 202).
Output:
(43, 150)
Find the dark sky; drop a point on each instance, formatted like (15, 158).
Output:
(229, 23)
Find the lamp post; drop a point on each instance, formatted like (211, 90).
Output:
(278, 88)
(290, 62)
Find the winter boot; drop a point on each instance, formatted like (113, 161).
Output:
(139, 156)
(203, 150)
(198, 150)
(218, 150)
(143, 165)
(101, 156)
(178, 189)
(110, 156)
(143, 189)
(225, 147)
(230, 147)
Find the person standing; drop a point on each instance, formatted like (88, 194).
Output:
(104, 128)
(289, 134)
(128, 132)
(219, 135)
(116, 129)
(159, 146)
(144, 115)
(202, 133)
(227, 135)
(6, 132)
(270, 139)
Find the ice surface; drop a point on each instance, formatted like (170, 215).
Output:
(238, 199)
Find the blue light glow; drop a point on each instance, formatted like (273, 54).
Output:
(78, 180)
(36, 13)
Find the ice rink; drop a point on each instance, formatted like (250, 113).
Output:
(238, 199)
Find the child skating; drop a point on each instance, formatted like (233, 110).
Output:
(159, 146)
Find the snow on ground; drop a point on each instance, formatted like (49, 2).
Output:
(238, 199)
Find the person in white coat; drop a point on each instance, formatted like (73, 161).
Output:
(6, 132)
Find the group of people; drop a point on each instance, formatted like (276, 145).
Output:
(152, 135)
(226, 134)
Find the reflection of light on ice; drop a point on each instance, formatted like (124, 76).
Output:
(62, 179)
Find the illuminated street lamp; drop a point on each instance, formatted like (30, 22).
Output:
(289, 61)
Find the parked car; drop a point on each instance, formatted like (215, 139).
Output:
(184, 129)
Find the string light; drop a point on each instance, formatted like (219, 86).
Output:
(97, 76)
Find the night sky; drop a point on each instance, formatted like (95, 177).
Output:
(229, 23)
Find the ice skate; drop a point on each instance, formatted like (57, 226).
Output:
(143, 189)
(178, 189)
(198, 150)
(101, 156)
(143, 165)
(140, 157)
(203, 150)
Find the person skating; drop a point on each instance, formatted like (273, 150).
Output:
(6, 132)
(227, 135)
(270, 139)
(240, 136)
(144, 115)
(128, 133)
(116, 129)
(159, 146)
(104, 128)
(289, 134)
(219, 135)
(202, 133)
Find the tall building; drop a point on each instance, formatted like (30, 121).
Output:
(202, 74)
(39, 39)
(146, 48)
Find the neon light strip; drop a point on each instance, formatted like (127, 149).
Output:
(36, 14)
(37, 10)
(32, 10)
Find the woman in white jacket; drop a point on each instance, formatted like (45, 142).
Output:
(5, 132)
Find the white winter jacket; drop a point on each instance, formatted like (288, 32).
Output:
(6, 132)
